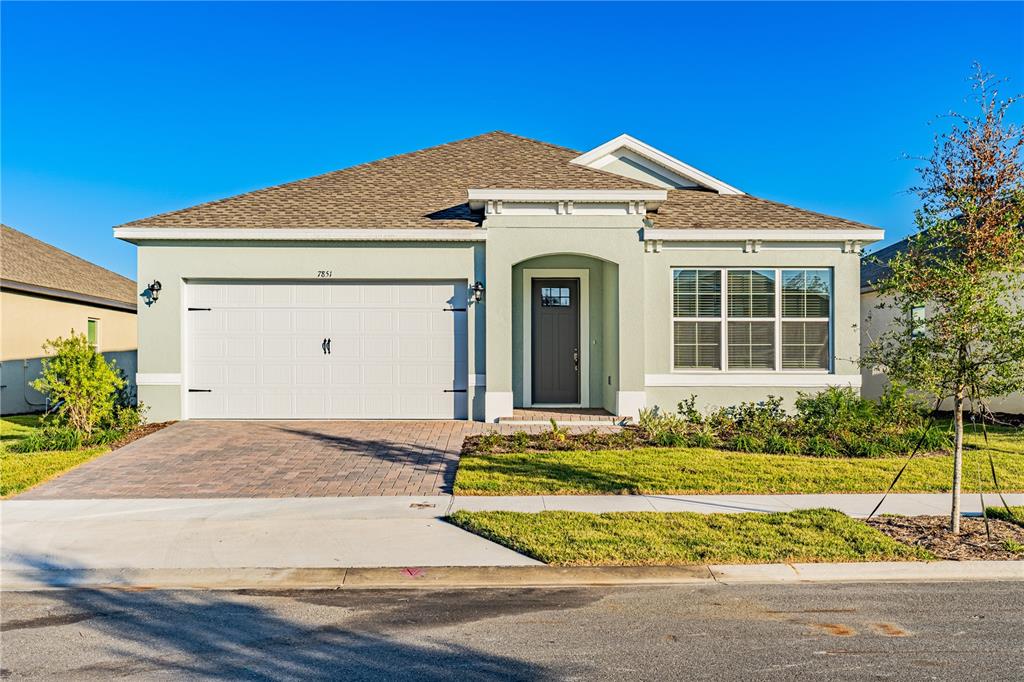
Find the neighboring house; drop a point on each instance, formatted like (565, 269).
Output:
(46, 293)
(875, 321)
(494, 272)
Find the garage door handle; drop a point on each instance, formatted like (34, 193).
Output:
(323, 346)
(328, 346)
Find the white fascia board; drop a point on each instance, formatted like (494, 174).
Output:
(135, 234)
(597, 195)
(765, 235)
(656, 155)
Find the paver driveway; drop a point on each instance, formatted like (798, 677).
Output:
(273, 459)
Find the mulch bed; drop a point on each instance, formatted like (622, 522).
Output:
(932, 533)
(141, 432)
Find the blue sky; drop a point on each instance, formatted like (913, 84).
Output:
(112, 112)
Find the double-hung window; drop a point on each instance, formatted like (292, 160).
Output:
(744, 319)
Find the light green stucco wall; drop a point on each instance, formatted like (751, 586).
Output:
(630, 296)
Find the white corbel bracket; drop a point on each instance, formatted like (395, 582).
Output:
(752, 246)
(652, 246)
(853, 246)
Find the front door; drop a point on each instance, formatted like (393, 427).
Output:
(556, 341)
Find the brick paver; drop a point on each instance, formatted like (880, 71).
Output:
(274, 459)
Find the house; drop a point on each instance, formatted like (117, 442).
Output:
(875, 321)
(493, 273)
(46, 293)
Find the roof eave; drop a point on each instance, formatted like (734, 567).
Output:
(70, 296)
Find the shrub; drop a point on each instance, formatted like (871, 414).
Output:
(520, 441)
(747, 443)
(51, 436)
(834, 408)
(779, 444)
(758, 420)
(80, 381)
(703, 437)
(819, 446)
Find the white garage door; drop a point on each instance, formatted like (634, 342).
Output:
(326, 350)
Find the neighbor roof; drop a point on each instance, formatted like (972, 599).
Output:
(31, 265)
(428, 189)
(875, 268)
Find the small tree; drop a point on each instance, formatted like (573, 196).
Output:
(964, 268)
(81, 381)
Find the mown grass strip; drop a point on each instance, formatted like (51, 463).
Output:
(686, 538)
(21, 471)
(694, 471)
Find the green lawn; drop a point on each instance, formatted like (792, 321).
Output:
(683, 538)
(17, 427)
(1016, 514)
(693, 471)
(20, 471)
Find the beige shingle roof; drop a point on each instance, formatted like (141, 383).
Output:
(423, 189)
(710, 210)
(428, 189)
(26, 260)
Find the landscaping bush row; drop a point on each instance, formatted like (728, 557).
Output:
(833, 423)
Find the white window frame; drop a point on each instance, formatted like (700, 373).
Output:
(723, 319)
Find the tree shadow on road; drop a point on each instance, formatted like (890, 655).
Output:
(229, 636)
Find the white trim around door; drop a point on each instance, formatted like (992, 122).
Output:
(583, 275)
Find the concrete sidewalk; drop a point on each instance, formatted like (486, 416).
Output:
(341, 532)
(859, 505)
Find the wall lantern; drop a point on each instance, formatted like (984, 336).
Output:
(478, 292)
(152, 292)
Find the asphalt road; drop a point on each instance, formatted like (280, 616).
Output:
(769, 632)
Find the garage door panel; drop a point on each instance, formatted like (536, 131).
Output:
(346, 375)
(413, 322)
(312, 295)
(413, 348)
(378, 347)
(210, 348)
(376, 321)
(310, 321)
(344, 322)
(243, 296)
(276, 295)
(277, 347)
(394, 350)
(242, 375)
(276, 321)
(311, 375)
(277, 375)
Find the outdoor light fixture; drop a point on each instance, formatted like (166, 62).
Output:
(478, 292)
(152, 292)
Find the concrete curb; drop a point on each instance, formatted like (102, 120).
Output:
(509, 576)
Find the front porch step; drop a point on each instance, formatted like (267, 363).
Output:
(564, 417)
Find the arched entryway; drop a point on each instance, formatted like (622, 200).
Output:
(565, 331)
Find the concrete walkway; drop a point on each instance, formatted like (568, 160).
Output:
(40, 537)
(852, 505)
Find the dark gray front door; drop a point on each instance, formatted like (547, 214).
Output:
(556, 341)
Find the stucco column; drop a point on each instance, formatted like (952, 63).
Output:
(498, 395)
(631, 394)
